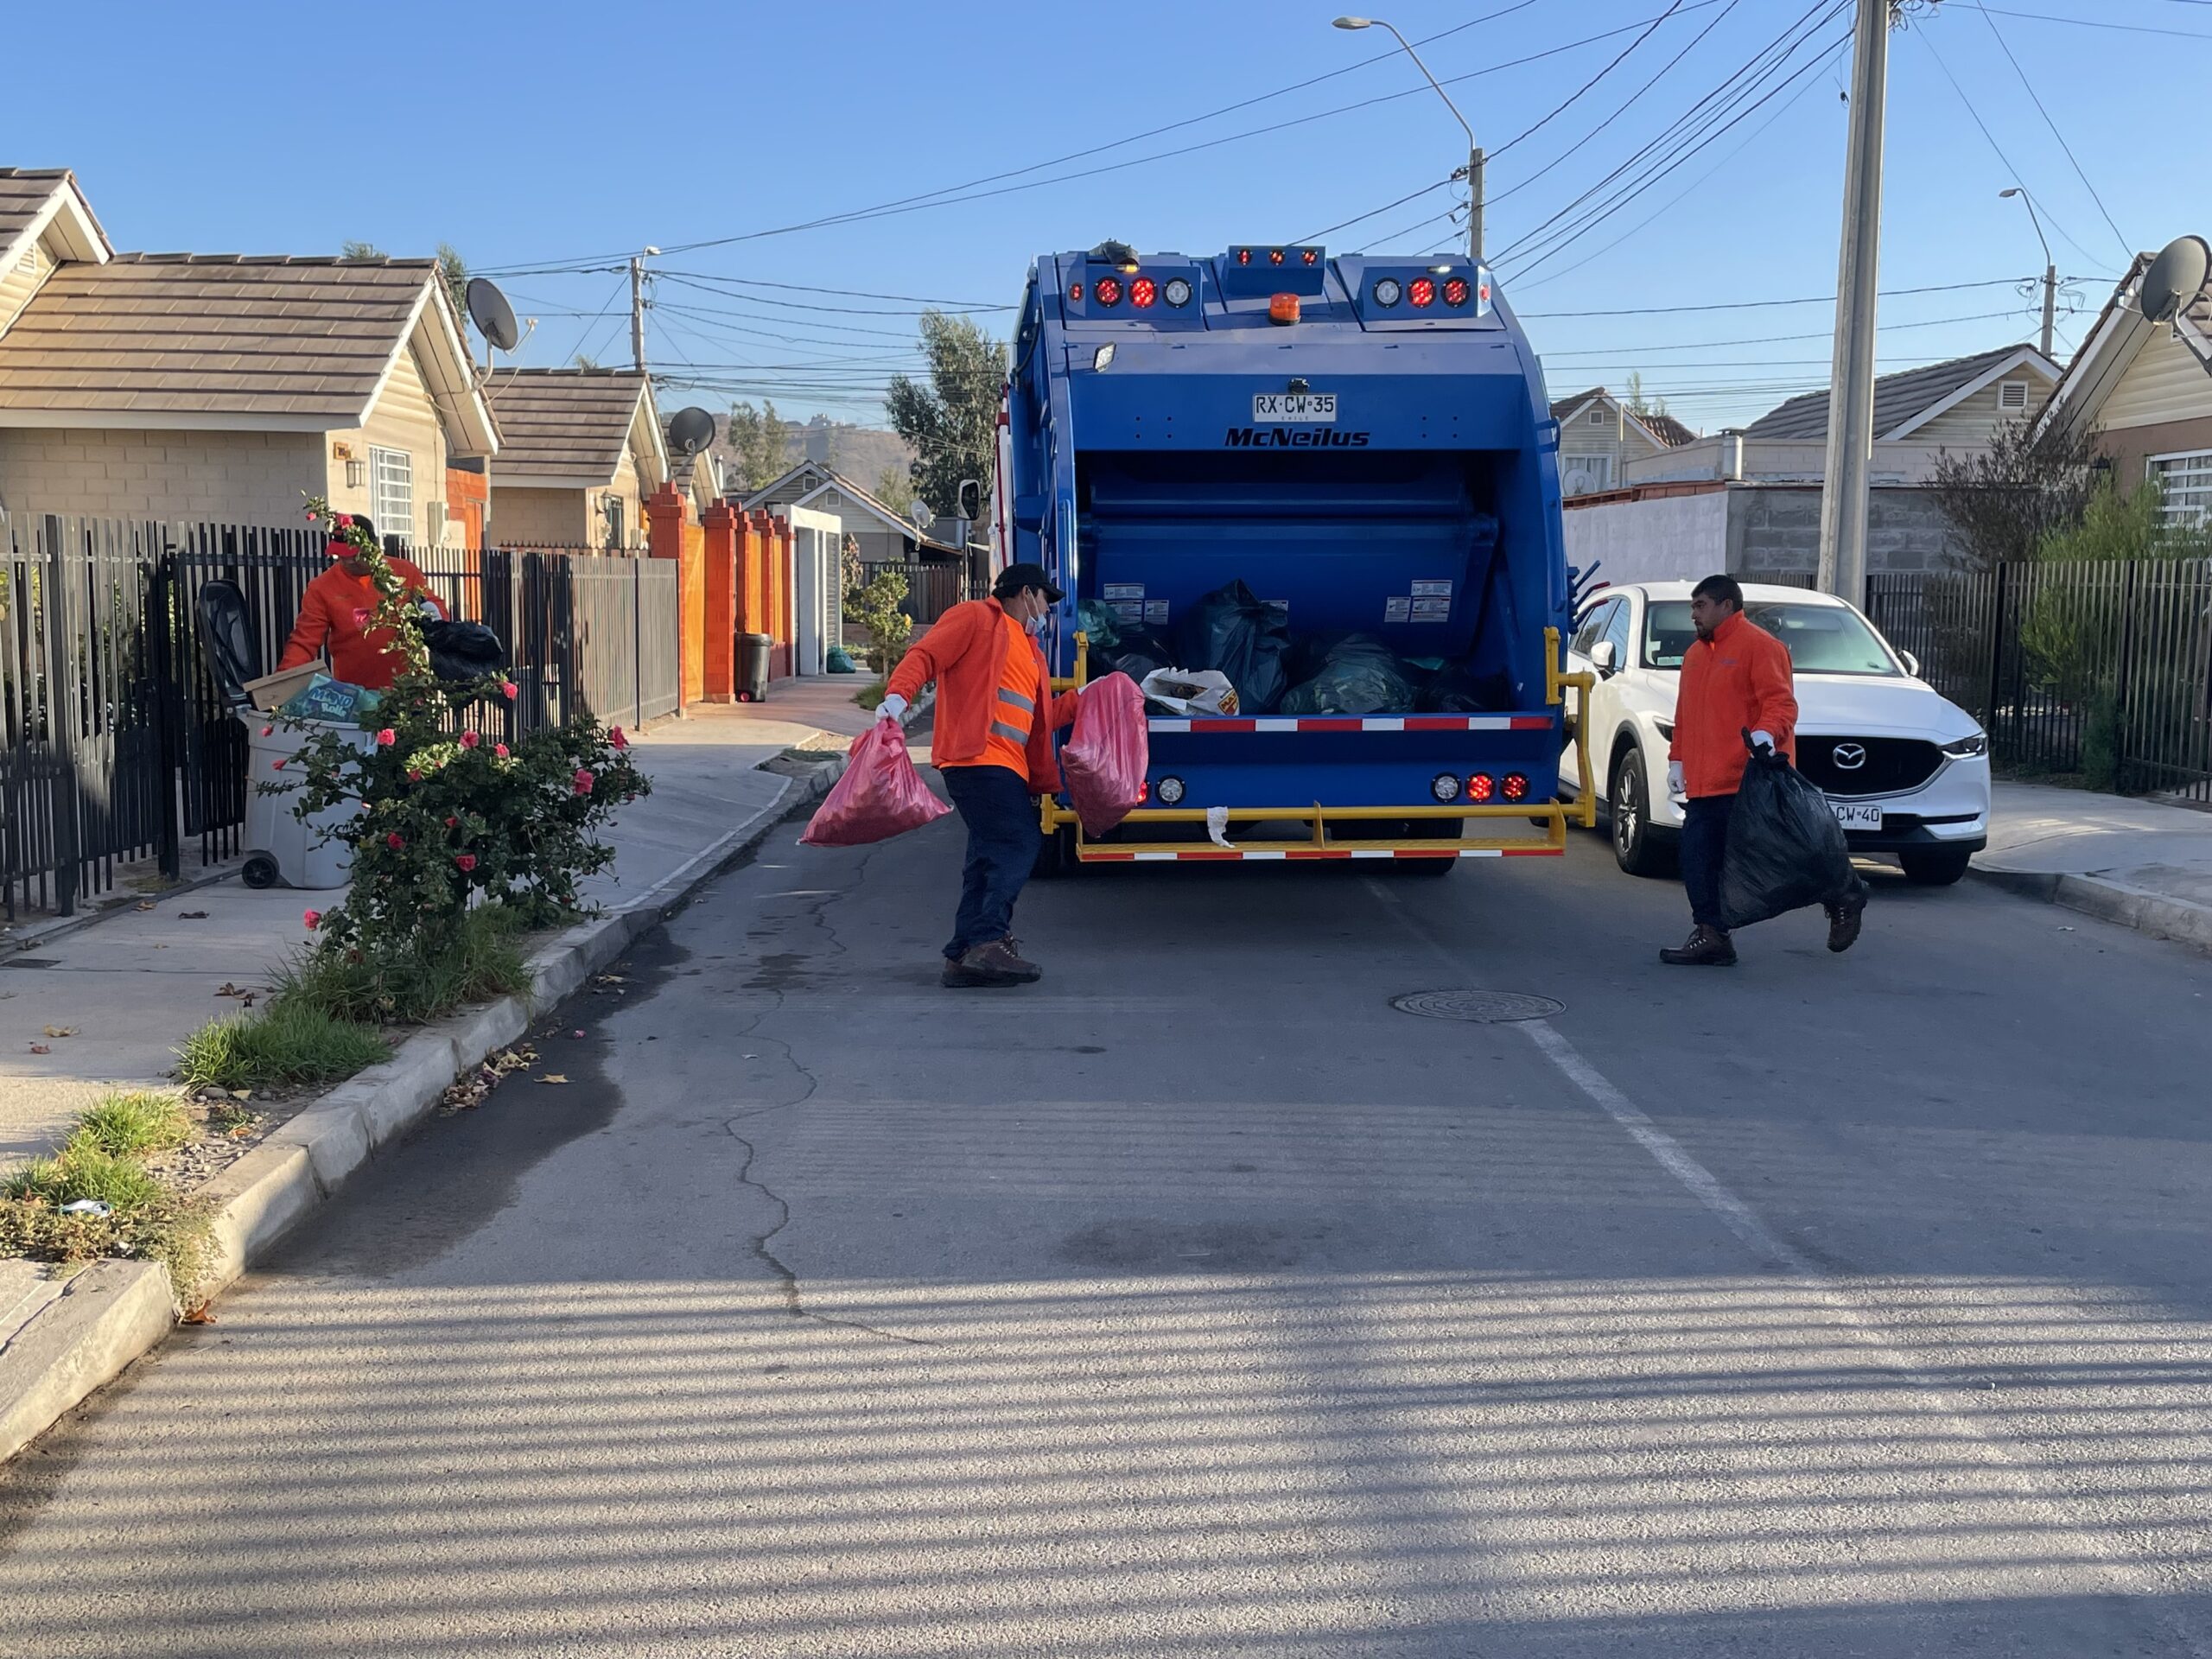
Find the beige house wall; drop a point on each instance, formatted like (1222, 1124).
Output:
(247, 478)
(1582, 438)
(2166, 382)
(530, 518)
(627, 487)
(22, 278)
(402, 418)
(1972, 423)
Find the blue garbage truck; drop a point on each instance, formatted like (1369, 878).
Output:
(1363, 443)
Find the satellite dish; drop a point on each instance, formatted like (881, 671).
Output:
(2175, 277)
(920, 513)
(691, 429)
(494, 317)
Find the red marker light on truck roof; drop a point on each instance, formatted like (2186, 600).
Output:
(1455, 292)
(1143, 292)
(1283, 307)
(1421, 291)
(1311, 256)
(1243, 256)
(1106, 291)
(1275, 257)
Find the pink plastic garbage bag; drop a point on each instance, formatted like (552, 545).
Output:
(1105, 760)
(882, 795)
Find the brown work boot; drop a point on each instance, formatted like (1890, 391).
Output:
(1014, 954)
(1707, 947)
(991, 964)
(1843, 923)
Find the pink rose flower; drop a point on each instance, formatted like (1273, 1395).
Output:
(582, 781)
(470, 740)
(386, 738)
(266, 730)
(467, 862)
(276, 765)
(344, 521)
(509, 689)
(450, 822)
(500, 749)
(614, 736)
(395, 841)
(413, 776)
(312, 918)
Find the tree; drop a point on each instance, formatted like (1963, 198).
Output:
(2004, 503)
(761, 444)
(585, 360)
(1638, 402)
(895, 490)
(953, 422)
(359, 251)
(454, 269)
(872, 605)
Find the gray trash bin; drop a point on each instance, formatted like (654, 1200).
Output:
(281, 848)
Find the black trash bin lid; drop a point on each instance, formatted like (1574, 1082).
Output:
(226, 634)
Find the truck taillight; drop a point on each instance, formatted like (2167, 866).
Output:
(1516, 786)
(1455, 292)
(1143, 292)
(1075, 292)
(1421, 291)
(1480, 788)
(1106, 291)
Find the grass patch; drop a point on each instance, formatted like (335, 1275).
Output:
(130, 1126)
(145, 1220)
(414, 983)
(871, 697)
(289, 1041)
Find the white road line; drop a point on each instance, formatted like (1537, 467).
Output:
(1666, 1151)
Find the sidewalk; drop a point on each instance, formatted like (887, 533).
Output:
(2142, 864)
(132, 986)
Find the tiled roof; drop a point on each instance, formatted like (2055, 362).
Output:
(211, 334)
(1897, 398)
(1563, 407)
(562, 424)
(1669, 430)
(23, 191)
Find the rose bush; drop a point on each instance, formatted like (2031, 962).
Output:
(449, 820)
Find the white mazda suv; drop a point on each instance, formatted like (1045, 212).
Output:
(1906, 769)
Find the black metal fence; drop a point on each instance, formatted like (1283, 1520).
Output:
(116, 744)
(2102, 670)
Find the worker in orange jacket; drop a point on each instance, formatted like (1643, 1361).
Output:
(1736, 699)
(993, 746)
(338, 611)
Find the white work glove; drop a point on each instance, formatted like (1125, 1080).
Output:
(1761, 743)
(1678, 782)
(890, 707)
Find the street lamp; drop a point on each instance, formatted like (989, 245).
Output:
(1474, 150)
(2050, 269)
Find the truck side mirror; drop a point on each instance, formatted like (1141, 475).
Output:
(1602, 656)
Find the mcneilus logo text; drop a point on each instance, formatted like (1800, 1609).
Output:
(1288, 437)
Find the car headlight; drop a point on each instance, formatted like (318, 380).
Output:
(1966, 747)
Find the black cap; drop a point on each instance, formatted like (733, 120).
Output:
(1016, 577)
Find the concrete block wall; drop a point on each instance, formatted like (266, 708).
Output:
(250, 478)
(1777, 531)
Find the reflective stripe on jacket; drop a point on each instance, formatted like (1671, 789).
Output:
(965, 652)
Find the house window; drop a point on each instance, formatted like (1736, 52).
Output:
(391, 492)
(2012, 398)
(1597, 417)
(615, 541)
(2188, 483)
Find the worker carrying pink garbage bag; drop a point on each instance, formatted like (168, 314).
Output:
(992, 744)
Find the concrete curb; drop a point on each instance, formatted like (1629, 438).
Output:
(2158, 915)
(113, 1312)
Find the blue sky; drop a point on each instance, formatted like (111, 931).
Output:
(562, 134)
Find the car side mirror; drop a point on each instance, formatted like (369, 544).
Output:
(1603, 656)
(1911, 663)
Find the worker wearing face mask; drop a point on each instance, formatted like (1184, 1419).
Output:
(992, 744)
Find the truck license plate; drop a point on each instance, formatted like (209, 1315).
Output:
(1857, 817)
(1285, 408)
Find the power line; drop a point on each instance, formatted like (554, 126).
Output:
(2128, 248)
(1753, 305)
(1779, 340)
(1328, 229)
(2095, 22)
(1561, 108)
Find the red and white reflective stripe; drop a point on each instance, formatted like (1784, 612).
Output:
(1212, 725)
(1295, 854)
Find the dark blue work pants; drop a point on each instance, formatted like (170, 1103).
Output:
(1705, 845)
(1003, 836)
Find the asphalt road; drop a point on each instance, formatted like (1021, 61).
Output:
(1198, 1302)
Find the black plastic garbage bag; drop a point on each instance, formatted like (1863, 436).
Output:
(1140, 651)
(1785, 848)
(1453, 690)
(1361, 676)
(1102, 624)
(1232, 631)
(463, 651)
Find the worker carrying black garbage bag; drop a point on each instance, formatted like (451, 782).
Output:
(1747, 834)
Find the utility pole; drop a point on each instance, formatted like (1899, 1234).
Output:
(1474, 150)
(638, 308)
(1850, 382)
(1475, 204)
(2050, 269)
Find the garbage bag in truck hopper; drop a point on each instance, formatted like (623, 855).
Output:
(1453, 690)
(1232, 631)
(1361, 676)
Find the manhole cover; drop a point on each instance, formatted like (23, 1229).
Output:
(1485, 1007)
